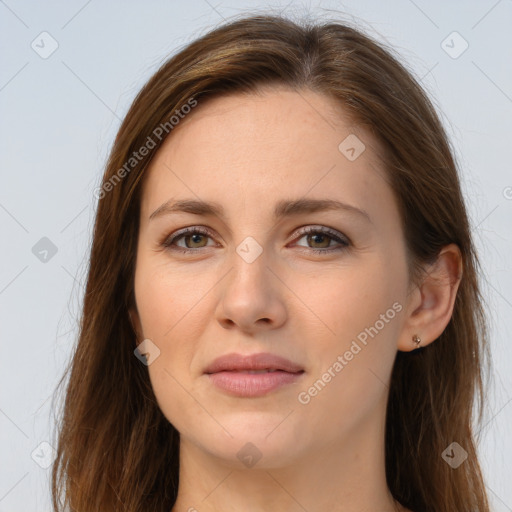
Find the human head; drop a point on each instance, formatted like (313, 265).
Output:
(382, 102)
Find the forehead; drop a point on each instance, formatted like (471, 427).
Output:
(275, 143)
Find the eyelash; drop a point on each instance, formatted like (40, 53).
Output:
(334, 235)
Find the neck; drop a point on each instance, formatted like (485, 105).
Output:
(348, 476)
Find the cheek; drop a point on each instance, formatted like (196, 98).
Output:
(343, 303)
(360, 314)
(172, 307)
(167, 297)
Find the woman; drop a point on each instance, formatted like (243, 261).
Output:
(228, 362)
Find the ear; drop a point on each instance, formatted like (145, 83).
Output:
(430, 305)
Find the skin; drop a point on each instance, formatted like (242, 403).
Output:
(247, 152)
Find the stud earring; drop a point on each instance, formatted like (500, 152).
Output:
(416, 339)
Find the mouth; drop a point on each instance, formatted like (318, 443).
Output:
(254, 375)
(254, 372)
(260, 362)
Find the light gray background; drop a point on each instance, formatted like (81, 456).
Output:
(58, 118)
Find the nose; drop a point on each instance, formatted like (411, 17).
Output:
(252, 296)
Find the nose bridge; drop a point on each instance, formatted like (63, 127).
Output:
(253, 226)
(251, 229)
(250, 261)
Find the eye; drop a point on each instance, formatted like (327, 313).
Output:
(323, 236)
(196, 235)
(196, 238)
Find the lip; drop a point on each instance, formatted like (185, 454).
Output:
(259, 361)
(229, 373)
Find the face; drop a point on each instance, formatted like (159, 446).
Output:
(323, 288)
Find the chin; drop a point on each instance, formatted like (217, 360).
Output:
(255, 440)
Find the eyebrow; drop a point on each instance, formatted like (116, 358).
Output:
(284, 208)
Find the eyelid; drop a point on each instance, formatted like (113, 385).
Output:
(169, 239)
(343, 241)
(333, 233)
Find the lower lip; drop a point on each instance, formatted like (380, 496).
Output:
(252, 384)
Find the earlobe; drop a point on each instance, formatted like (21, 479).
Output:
(428, 319)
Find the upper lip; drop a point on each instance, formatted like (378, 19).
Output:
(260, 361)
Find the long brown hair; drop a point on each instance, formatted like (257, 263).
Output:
(115, 448)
